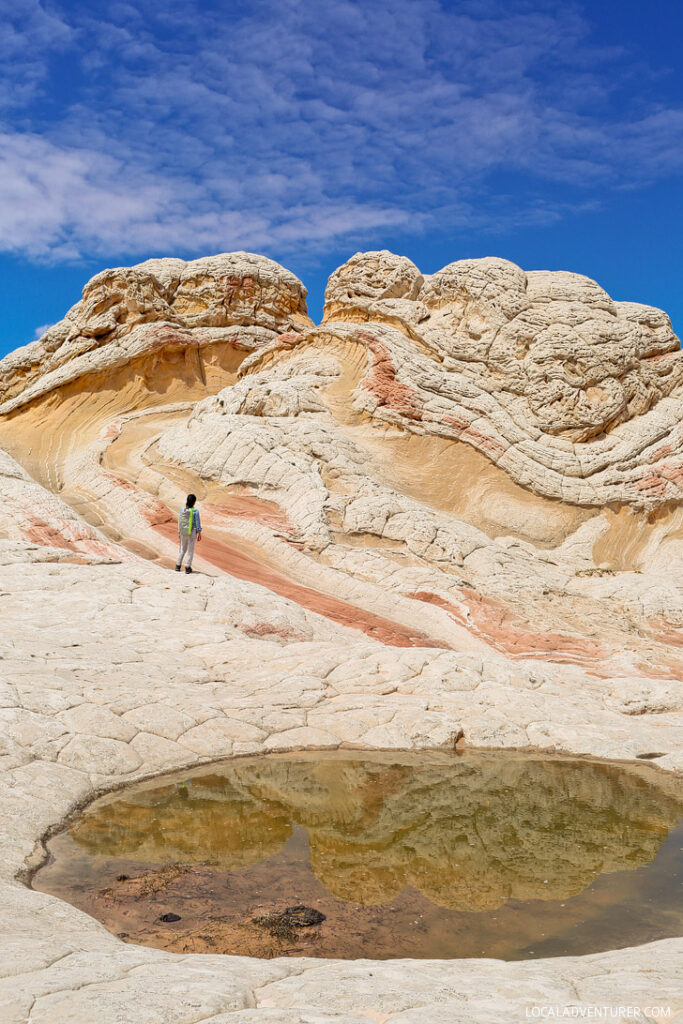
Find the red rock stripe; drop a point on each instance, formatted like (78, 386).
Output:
(236, 563)
(490, 620)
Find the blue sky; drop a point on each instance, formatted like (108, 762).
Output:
(547, 133)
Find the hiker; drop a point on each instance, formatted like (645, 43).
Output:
(189, 530)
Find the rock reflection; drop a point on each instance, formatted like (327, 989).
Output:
(469, 832)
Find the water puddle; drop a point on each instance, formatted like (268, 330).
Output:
(405, 855)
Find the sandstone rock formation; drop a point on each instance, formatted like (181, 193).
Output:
(235, 300)
(451, 511)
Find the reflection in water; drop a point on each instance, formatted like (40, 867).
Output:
(408, 855)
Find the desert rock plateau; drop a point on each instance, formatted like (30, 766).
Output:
(451, 513)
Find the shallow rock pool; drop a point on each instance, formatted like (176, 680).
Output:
(426, 854)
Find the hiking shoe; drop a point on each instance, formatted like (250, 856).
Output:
(177, 568)
(188, 569)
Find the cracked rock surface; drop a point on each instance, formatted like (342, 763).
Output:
(451, 511)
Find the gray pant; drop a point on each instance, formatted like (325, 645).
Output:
(186, 545)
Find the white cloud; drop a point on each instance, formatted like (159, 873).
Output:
(29, 33)
(60, 202)
(290, 125)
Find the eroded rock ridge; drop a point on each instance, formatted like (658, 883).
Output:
(451, 512)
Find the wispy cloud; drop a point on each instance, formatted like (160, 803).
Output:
(291, 125)
(29, 31)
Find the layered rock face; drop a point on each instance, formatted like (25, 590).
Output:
(522, 366)
(160, 305)
(439, 448)
(451, 512)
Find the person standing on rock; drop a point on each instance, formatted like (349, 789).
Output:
(189, 530)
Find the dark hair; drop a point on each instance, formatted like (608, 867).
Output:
(191, 498)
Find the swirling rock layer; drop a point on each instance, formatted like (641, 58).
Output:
(452, 511)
